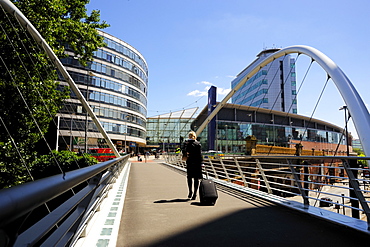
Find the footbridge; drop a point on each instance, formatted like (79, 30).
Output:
(281, 200)
(262, 202)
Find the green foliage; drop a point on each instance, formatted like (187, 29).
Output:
(63, 22)
(360, 153)
(41, 166)
(29, 94)
(60, 162)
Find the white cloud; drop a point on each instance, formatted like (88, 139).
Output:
(223, 91)
(206, 83)
(204, 92)
(197, 93)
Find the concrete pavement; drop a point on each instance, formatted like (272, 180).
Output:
(157, 213)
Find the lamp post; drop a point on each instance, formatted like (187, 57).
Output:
(226, 148)
(352, 164)
(88, 82)
(345, 120)
(250, 124)
(86, 114)
(71, 134)
(126, 132)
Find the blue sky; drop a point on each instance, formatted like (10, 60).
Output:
(192, 44)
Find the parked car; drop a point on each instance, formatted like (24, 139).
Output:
(213, 154)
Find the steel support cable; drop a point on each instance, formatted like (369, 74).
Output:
(331, 163)
(22, 97)
(25, 67)
(11, 8)
(15, 145)
(301, 84)
(277, 96)
(33, 62)
(258, 88)
(349, 94)
(20, 155)
(31, 114)
(314, 110)
(269, 86)
(25, 48)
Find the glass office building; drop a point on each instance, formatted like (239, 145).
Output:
(273, 87)
(115, 84)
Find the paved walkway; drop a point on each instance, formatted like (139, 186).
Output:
(157, 213)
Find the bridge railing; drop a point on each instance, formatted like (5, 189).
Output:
(54, 211)
(314, 184)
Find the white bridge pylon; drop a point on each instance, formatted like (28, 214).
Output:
(352, 99)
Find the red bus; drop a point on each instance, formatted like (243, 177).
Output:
(102, 154)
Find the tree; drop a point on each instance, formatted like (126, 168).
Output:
(29, 94)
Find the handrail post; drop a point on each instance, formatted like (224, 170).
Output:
(240, 171)
(299, 185)
(226, 173)
(213, 169)
(262, 172)
(357, 192)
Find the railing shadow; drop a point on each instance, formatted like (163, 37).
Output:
(266, 226)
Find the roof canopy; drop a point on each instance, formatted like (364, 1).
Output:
(186, 113)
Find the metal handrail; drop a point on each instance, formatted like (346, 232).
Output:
(290, 179)
(19, 201)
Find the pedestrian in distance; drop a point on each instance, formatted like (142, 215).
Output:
(193, 150)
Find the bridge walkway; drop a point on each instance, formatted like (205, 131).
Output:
(157, 213)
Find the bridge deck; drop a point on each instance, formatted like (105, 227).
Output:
(157, 213)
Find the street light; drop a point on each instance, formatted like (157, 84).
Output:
(126, 132)
(226, 138)
(345, 118)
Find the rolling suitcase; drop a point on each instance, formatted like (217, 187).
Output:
(207, 192)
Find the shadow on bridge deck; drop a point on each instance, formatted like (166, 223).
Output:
(157, 213)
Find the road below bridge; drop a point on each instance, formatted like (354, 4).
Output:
(157, 213)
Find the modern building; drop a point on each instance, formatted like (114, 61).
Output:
(273, 128)
(357, 144)
(273, 87)
(115, 85)
(166, 132)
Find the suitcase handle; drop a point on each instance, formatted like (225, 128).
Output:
(204, 168)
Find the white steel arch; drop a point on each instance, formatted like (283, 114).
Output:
(352, 99)
(12, 9)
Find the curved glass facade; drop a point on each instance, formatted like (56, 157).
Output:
(231, 136)
(275, 128)
(115, 85)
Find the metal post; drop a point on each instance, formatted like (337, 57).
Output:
(346, 128)
(262, 172)
(299, 185)
(226, 173)
(87, 114)
(240, 171)
(213, 169)
(226, 148)
(353, 183)
(344, 208)
(58, 126)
